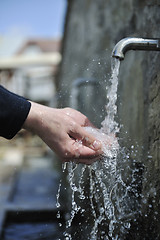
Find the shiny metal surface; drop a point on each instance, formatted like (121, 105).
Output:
(130, 43)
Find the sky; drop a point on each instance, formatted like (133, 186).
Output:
(32, 18)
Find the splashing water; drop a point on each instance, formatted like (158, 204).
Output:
(111, 204)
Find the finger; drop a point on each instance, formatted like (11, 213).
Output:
(81, 151)
(88, 161)
(86, 138)
(81, 161)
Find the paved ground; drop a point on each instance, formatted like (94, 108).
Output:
(28, 180)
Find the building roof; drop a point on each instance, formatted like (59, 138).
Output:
(45, 45)
(34, 52)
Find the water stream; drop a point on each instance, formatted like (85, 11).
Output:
(104, 203)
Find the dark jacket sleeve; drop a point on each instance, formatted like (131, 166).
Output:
(13, 113)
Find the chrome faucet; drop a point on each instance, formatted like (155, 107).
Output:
(132, 43)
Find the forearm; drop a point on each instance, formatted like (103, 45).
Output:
(33, 121)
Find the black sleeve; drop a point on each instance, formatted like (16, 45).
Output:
(13, 112)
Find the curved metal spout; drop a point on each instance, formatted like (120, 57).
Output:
(135, 44)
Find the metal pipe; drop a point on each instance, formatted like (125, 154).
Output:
(130, 43)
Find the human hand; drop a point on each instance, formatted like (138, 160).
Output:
(109, 142)
(63, 131)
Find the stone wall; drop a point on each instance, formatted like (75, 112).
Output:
(92, 29)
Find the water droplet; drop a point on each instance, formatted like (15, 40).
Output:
(57, 205)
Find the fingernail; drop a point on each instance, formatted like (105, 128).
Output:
(96, 145)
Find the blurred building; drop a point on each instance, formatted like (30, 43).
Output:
(31, 70)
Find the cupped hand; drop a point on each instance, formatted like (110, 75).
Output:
(63, 131)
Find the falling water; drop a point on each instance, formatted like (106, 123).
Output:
(109, 125)
(111, 204)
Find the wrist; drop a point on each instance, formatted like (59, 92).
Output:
(34, 118)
